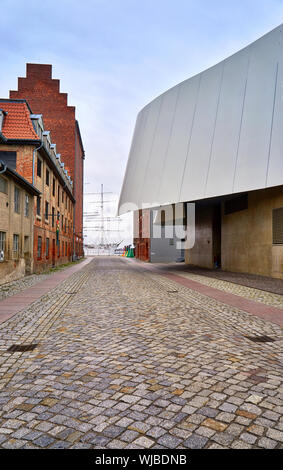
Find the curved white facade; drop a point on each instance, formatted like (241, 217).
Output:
(218, 133)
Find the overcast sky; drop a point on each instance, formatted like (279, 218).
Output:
(114, 56)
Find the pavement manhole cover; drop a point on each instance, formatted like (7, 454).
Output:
(260, 339)
(22, 347)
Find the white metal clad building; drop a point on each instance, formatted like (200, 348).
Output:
(218, 133)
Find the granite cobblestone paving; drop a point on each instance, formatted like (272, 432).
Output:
(267, 298)
(126, 358)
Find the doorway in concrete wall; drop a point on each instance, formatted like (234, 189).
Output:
(217, 219)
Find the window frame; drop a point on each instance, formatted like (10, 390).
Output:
(47, 248)
(27, 205)
(39, 167)
(16, 243)
(17, 200)
(47, 177)
(46, 213)
(5, 183)
(38, 206)
(39, 247)
(3, 241)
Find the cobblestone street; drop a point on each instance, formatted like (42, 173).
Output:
(127, 358)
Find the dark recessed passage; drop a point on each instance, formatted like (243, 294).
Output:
(172, 291)
(22, 347)
(260, 339)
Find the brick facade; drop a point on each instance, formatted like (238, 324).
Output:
(44, 97)
(45, 226)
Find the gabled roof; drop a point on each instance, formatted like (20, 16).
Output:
(17, 123)
(20, 180)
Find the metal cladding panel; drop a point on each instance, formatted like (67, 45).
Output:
(275, 164)
(179, 141)
(221, 170)
(155, 166)
(217, 133)
(252, 161)
(195, 173)
(137, 184)
(127, 193)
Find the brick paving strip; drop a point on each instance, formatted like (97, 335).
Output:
(272, 314)
(15, 303)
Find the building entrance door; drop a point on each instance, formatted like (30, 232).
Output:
(217, 219)
(53, 252)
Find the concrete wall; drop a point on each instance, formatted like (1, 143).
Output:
(247, 236)
(11, 270)
(202, 252)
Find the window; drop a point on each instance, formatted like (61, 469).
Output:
(65, 248)
(47, 177)
(53, 187)
(58, 195)
(62, 222)
(47, 248)
(63, 197)
(46, 210)
(38, 205)
(3, 185)
(53, 216)
(39, 167)
(39, 247)
(26, 244)
(277, 226)
(2, 241)
(16, 243)
(9, 158)
(26, 205)
(17, 200)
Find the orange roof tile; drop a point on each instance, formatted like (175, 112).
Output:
(17, 123)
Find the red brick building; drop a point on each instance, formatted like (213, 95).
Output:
(142, 234)
(26, 147)
(44, 97)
